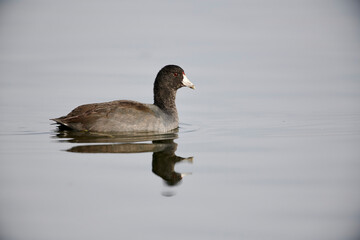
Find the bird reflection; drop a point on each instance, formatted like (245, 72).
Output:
(163, 163)
(162, 146)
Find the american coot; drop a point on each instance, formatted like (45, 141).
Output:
(130, 116)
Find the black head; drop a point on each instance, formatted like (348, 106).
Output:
(172, 77)
(169, 79)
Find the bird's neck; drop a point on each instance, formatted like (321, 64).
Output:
(165, 100)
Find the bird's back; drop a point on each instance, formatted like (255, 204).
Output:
(118, 116)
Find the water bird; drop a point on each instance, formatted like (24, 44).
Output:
(125, 116)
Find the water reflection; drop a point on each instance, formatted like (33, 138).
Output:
(162, 146)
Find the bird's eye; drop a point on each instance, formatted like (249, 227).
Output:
(175, 74)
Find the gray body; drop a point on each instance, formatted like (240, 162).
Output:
(120, 116)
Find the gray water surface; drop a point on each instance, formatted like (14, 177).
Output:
(268, 144)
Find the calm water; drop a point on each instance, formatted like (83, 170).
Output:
(268, 145)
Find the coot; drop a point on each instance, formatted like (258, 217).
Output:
(124, 116)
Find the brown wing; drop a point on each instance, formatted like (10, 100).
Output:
(85, 116)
